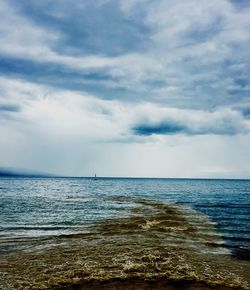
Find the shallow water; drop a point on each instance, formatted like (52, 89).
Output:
(156, 234)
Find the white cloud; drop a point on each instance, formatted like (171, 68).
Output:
(54, 113)
(21, 38)
(190, 44)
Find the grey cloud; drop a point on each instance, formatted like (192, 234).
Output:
(10, 108)
(164, 128)
(246, 112)
(210, 125)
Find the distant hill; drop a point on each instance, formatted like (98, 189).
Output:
(20, 172)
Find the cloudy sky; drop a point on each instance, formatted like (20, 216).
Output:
(126, 87)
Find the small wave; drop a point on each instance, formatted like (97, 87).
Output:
(82, 197)
(36, 228)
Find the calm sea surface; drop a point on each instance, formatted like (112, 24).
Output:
(38, 207)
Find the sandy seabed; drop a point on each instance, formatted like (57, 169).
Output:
(157, 246)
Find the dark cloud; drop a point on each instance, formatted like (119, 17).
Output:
(87, 27)
(166, 128)
(246, 112)
(239, 93)
(220, 126)
(56, 75)
(241, 82)
(10, 108)
(241, 3)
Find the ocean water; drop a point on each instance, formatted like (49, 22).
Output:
(31, 207)
(214, 213)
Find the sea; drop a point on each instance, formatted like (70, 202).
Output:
(130, 218)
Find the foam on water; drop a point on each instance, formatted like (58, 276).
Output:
(157, 242)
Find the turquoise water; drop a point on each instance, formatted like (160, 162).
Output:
(38, 207)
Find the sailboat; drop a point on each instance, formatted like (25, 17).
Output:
(95, 178)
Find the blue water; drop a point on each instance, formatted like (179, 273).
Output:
(34, 207)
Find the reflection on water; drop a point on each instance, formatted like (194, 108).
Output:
(153, 246)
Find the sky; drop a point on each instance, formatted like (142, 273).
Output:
(135, 88)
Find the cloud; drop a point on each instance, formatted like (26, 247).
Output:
(71, 132)
(56, 112)
(20, 37)
(245, 112)
(166, 128)
(10, 108)
(167, 121)
(37, 43)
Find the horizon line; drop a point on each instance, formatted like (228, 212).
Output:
(120, 177)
